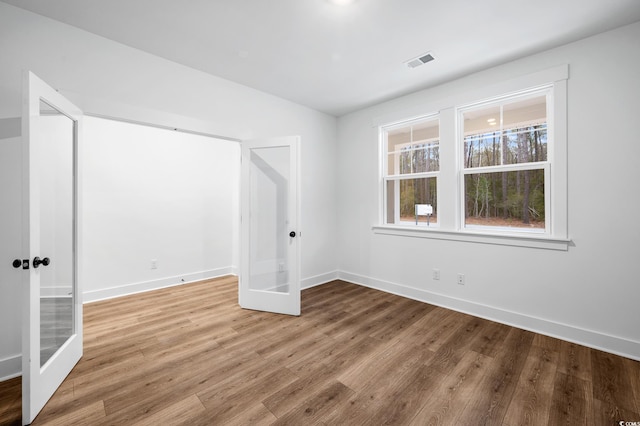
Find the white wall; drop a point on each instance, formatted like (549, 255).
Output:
(10, 248)
(589, 293)
(156, 194)
(110, 79)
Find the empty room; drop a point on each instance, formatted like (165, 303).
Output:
(338, 212)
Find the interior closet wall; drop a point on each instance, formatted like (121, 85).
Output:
(160, 207)
(10, 247)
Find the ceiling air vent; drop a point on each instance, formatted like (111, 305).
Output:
(420, 60)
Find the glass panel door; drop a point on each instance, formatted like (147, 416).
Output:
(53, 151)
(52, 306)
(269, 278)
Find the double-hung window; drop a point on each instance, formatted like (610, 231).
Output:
(411, 164)
(488, 167)
(505, 163)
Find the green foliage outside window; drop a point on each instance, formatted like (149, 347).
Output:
(516, 198)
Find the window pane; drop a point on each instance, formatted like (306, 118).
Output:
(527, 112)
(505, 199)
(526, 144)
(482, 137)
(403, 195)
(400, 162)
(426, 157)
(413, 148)
(482, 149)
(512, 133)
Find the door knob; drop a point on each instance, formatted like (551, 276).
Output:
(292, 234)
(37, 261)
(17, 263)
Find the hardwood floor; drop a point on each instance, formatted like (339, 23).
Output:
(10, 403)
(189, 355)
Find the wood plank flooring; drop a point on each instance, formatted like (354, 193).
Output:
(189, 355)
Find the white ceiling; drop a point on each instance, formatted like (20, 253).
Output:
(338, 59)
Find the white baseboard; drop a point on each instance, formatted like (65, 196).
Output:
(63, 291)
(593, 339)
(10, 367)
(318, 280)
(110, 293)
(127, 289)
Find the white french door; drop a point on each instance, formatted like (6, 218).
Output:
(270, 234)
(52, 305)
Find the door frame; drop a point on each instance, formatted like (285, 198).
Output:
(39, 383)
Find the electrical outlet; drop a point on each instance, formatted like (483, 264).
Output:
(154, 263)
(461, 279)
(436, 274)
(281, 267)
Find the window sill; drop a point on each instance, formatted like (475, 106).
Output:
(530, 241)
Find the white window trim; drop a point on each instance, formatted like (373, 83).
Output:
(556, 236)
(468, 235)
(548, 91)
